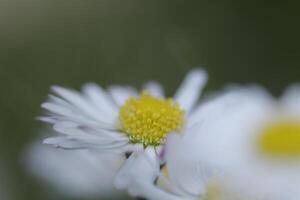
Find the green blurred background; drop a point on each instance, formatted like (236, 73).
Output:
(46, 42)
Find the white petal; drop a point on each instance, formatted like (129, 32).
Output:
(190, 89)
(100, 99)
(212, 107)
(219, 104)
(72, 114)
(137, 176)
(70, 129)
(142, 165)
(151, 192)
(56, 108)
(59, 101)
(120, 150)
(47, 119)
(290, 100)
(74, 143)
(154, 89)
(80, 103)
(121, 93)
(64, 143)
(81, 121)
(123, 178)
(94, 139)
(181, 160)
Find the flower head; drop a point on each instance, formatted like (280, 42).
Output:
(257, 144)
(120, 119)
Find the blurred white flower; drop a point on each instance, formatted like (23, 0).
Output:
(78, 173)
(256, 143)
(184, 175)
(121, 120)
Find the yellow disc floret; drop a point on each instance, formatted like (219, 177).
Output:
(281, 139)
(147, 119)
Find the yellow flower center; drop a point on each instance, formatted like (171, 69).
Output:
(147, 119)
(281, 139)
(213, 192)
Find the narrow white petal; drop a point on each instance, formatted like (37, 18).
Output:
(72, 114)
(151, 192)
(69, 127)
(188, 175)
(86, 110)
(137, 176)
(55, 108)
(80, 102)
(53, 140)
(66, 125)
(190, 89)
(140, 165)
(66, 143)
(154, 89)
(82, 121)
(290, 100)
(122, 179)
(100, 99)
(50, 120)
(74, 143)
(100, 137)
(119, 150)
(219, 103)
(120, 94)
(59, 101)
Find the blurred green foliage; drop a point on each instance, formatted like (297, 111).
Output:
(47, 42)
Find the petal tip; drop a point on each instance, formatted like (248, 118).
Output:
(198, 73)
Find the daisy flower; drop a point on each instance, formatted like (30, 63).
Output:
(257, 144)
(120, 119)
(77, 174)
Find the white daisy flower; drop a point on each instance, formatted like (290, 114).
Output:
(120, 119)
(184, 175)
(76, 174)
(257, 144)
